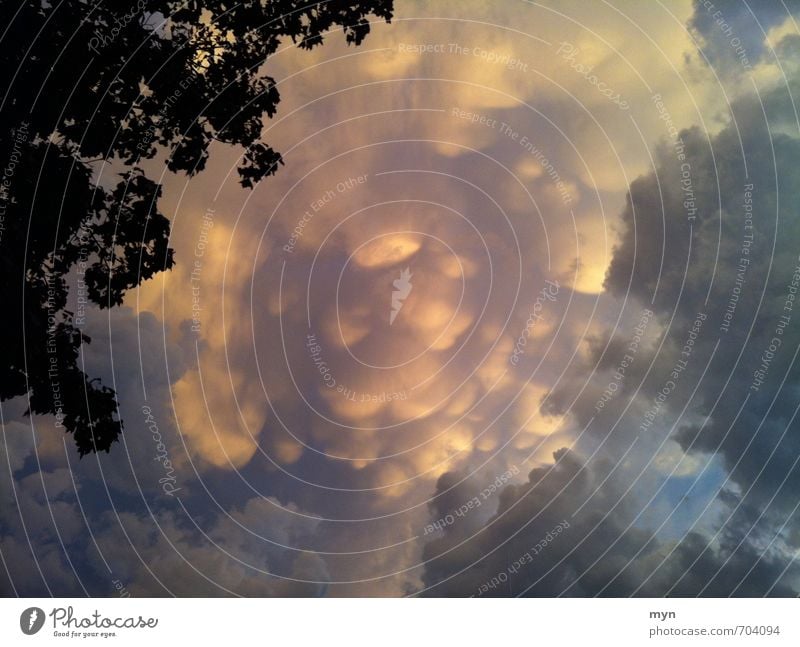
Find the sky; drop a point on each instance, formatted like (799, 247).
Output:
(517, 317)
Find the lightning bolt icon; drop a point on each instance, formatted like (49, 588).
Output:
(402, 290)
(32, 619)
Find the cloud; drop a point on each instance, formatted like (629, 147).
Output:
(292, 411)
(542, 542)
(740, 275)
(50, 547)
(732, 35)
(709, 248)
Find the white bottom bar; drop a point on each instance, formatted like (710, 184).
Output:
(388, 622)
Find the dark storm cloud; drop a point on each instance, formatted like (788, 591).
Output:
(606, 547)
(711, 244)
(534, 546)
(744, 279)
(731, 33)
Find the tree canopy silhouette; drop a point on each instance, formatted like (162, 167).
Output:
(87, 83)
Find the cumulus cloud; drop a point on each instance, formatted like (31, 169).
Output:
(698, 395)
(321, 447)
(543, 542)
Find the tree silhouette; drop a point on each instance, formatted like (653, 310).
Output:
(86, 84)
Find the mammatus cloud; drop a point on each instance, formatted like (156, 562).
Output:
(709, 255)
(524, 424)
